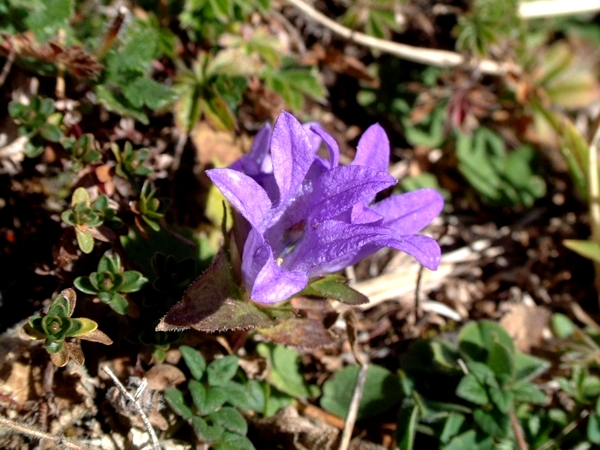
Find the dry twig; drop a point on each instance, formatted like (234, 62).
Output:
(36, 434)
(359, 386)
(136, 405)
(432, 57)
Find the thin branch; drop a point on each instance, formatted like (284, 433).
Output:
(565, 431)
(36, 434)
(521, 442)
(548, 8)
(137, 406)
(10, 59)
(594, 198)
(432, 57)
(359, 386)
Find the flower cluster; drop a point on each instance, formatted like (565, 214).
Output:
(300, 215)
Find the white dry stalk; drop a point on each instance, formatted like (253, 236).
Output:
(443, 58)
(135, 402)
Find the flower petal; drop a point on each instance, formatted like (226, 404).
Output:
(373, 149)
(274, 284)
(340, 188)
(252, 162)
(292, 156)
(244, 194)
(332, 146)
(411, 212)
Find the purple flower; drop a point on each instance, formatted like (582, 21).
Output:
(307, 216)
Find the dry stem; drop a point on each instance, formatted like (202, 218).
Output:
(593, 193)
(137, 406)
(36, 434)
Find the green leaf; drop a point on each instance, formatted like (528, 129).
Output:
(334, 287)
(472, 390)
(563, 326)
(256, 396)
(285, 372)
(175, 399)
(476, 339)
(85, 286)
(237, 395)
(51, 132)
(303, 333)
(144, 91)
(501, 360)
(230, 419)
(194, 361)
(587, 249)
(528, 366)
(80, 195)
(48, 17)
(234, 441)
(209, 305)
(408, 417)
(469, 441)
(526, 392)
(119, 304)
(452, 426)
(220, 371)
(132, 281)
(86, 326)
(381, 392)
(593, 428)
(493, 422)
(502, 398)
(223, 9)
(206, 400)
(85, 240)
(206, 433)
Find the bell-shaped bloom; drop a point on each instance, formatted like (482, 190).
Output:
(306, 215)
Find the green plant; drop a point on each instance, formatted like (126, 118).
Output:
(86, 216)
(149, 208)
(110, 282)
(485, 381)
(500, 177)
(38, 122)
(130, 162)
(213, 412)
(82, 151)
(57, 325)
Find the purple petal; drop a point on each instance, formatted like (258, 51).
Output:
(252, 162)
(274, 284)
(411, 212)
(335, 245)
(423, 248)
(373, 149)
(340, 188)
(292, 156)
(332, 146)
(244, 194)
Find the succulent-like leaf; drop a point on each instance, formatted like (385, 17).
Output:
(85, 326)
(119, 304)
(32, 332)
(75, 353)
(132, 281)
(84, 284)
(80, 195)
(60, 358)
(84, 240)
(96, 336)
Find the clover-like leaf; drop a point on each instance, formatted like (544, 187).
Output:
(194, 360)
(230, 419)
